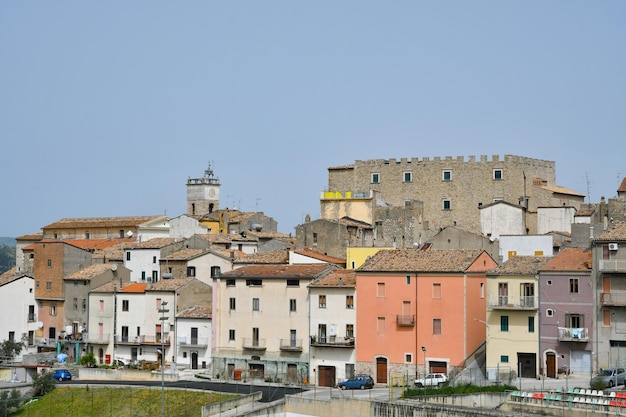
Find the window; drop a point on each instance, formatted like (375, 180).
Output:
(349, 301)
(293, 282)
(574, 320)
(436, 290)
(154, 259)
(538, 253)
(314, 237)
(512, 253)
(155, 276)
(407, 176)
(322, 301)
(408, 358)
(48, 286)
(380, 324)
(31, 313)
(143, 275)
(482, 290)
(349, 330)
(232, 303)
(447, 205)
(375, 178)
(380, 289)
(124, 305)
(254, 282)
(292, 304)
(606, 318)
(531, 324)
(504, 323)
(101, 305)
(573, 285)
(549, 282)
(446, 175)
(549, 313)
(53, 310)
(255, 304)
(436, 326)
(12, 336)
(191, 271)
(230, 282)
(497, 174)
(231, 334)
(128, 255)
(121, 233)
(87, 235)
(84, 304)
(75, 303)
(504, 358)
(408, 280)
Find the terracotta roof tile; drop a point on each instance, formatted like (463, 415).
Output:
(135, 287)
(280, 256)
(90, 272)
(341, 278)
(89, 244)
(616, 232)
(521, 265)
(185, 254)
(70, 223)
(415, 260)
(280, 271)
(622, 186)
(169, 284)
(11, 275)
(196, 312)
(156, 243)
(561, 190)
(33, 236)
(320, 256)
(570, 259)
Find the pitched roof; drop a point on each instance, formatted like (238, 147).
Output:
(561, 190)
(89, 244)
(155, 243)
(570, 259)
(622, 186)
(169, 284)
(11, 275)
(415, 260)
(320, 256)
(32, 236)
(616, 232)
(195, 312)
(185, 254)
(90, 272)
(132, 287)
(521, 265)
(279, 256)
(280, 271)
(341, 278)
(71, 223)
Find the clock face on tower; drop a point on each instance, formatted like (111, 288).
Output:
(212, 192)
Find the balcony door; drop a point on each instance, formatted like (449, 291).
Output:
(528, 292)
(503, 293)
(321, 333)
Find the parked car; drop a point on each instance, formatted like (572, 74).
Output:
(432, 380)
(62, 375)
(357, 382)
(610, 377)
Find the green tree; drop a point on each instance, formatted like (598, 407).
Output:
(7, 258)
(9, 350)
(43, 383)
(88, 360)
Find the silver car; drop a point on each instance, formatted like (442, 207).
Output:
(610, 377)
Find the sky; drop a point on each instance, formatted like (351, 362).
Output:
(106, 108)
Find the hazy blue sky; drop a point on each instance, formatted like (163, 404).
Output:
(107, 107)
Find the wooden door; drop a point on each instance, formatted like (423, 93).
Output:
(381, 370)
(551, 365)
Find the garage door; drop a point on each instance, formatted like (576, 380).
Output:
(327, 376)
(581, 362)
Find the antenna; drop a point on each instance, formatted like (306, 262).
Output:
(588, 188)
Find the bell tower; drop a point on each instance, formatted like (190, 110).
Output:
(203, 194)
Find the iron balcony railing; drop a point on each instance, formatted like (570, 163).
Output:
(504, 302)
(613, 298)
(193, 341)
(294, 345)
(254, 344)
(407, 320)
(612, 265)
(333, 341)
(573, 334)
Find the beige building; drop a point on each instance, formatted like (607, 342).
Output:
(262, 321)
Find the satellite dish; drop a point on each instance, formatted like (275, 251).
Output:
(39, 325)
(114, 267)
(68, 329)
(129, 233)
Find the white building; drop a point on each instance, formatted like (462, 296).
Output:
(143, 258)
(530, 245)
(193, 338)
(501, 218)
(19, 320)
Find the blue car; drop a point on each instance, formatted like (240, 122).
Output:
(357, 382)
(62, 375)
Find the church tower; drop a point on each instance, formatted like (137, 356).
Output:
(203, 194)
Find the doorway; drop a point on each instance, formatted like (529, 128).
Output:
(527, 363)
(381, 370)
(550, 365)
(327, 376)
(194, 360)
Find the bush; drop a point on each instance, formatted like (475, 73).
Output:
(88, 360)
(43, 383)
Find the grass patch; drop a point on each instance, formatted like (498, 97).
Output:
(457, 389)
(120, 402)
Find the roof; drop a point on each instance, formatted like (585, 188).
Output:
(279, 256)
(156, 243)
(89, 244)
(415, 260)
(269, 234)
(561, 190)
(11, 275)
(114, 252)
(195, 312)
(341, 278)
(622, 186)
(124, 287)
(521, 265)
(32, 236)
(616, 232)
(169, 284)
(570, 259)
(72, 223)
(185, 254)
(320, 256)
(90, 272)
(280, 271)
(500, 202)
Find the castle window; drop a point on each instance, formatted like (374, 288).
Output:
(447, 205)
(446, 175)
(497, 174)
(407, 177)
(375, 178)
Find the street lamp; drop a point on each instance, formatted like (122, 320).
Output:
(163, 319)
(425, 370)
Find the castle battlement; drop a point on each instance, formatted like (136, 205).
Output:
(471, 159)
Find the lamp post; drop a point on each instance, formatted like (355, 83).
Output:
(163, 319)
(425, 370)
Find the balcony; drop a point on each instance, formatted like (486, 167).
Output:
(193, 341)
(291, 345)
(573, 334)
(503, 302)
(405, 320)
(254, 344)
(100, 339)
(333, 342)
(613, 298)
(612, 265)
(143, 340)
